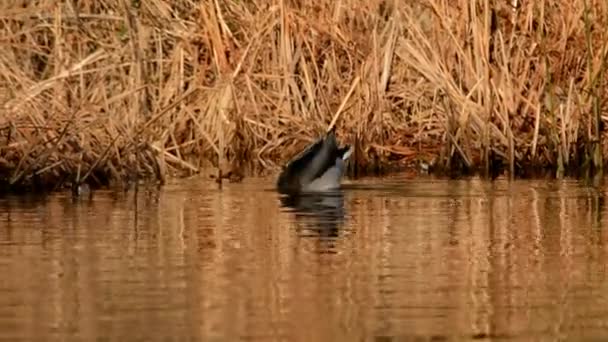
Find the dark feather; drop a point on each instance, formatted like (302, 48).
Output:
(325, 148)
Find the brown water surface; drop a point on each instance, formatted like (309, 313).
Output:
(383, 260)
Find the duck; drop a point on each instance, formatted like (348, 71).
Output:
(318, 168)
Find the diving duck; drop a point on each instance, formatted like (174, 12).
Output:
(319, 167)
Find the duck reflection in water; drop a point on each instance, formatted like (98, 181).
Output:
(317, 215)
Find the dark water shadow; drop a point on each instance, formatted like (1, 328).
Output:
(316, 215)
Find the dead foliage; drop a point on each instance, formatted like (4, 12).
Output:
(104, 91)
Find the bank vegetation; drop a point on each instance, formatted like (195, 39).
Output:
(113, 91)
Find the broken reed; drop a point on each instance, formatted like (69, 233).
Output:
(112, 91)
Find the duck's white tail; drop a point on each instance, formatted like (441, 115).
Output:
(347, 154)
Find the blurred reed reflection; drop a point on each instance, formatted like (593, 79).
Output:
(383, 259)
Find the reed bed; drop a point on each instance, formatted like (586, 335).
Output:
(111, 91)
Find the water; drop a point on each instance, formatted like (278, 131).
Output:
(384, 260)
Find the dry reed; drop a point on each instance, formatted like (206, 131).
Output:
(111, 91)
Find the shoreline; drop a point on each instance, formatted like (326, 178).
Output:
(236, 174)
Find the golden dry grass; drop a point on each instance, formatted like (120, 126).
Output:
(103, 91)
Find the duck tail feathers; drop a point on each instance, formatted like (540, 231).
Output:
(345, 152)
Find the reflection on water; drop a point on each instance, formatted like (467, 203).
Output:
(316, 214)
(381, 260)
